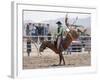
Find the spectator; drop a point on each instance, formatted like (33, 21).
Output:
(28, 46)
(49, 36)
(27, 30)
(39, 29)
(47, 29)
(33, 32)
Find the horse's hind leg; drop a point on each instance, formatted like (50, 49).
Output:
(62, 58)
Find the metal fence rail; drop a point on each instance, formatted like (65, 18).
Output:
(85, 43)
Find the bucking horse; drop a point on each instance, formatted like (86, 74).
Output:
(69, 37)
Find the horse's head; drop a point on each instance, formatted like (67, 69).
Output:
(42, 47)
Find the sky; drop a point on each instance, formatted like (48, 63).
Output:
(37, 16)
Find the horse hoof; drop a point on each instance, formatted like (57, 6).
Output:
(71, 64)
(54, 65)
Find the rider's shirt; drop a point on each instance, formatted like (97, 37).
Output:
(60, 31)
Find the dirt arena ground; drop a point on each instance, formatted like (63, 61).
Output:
(46, 61)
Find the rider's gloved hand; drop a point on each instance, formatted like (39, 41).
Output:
(67, 29)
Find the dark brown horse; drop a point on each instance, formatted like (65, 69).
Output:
(69, 37)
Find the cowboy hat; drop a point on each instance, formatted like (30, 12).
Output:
(58, 22)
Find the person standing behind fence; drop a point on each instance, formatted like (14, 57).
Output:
(27, 30)
(47, 29)
(49, 36)
(39, 29)
(28, 46)
(33, 32)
